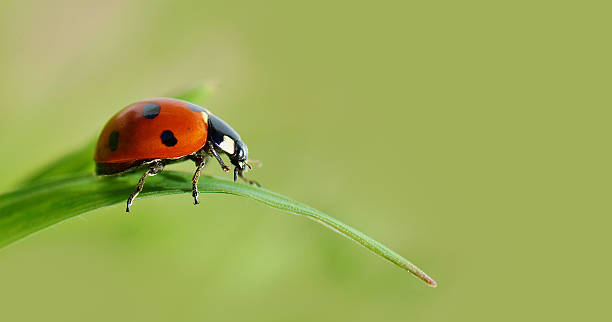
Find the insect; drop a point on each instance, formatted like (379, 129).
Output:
(156, 132)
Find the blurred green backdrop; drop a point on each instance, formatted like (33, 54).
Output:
(470, 136)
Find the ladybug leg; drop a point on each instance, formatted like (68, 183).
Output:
(200, 163)
(211, 150)
(245, 179)
(155, 169)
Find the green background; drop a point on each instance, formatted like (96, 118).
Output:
(470, 136)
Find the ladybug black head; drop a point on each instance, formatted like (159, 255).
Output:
(227, 140)
(241, 154)
(239, 158)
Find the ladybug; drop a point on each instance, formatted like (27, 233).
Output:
(155, 132)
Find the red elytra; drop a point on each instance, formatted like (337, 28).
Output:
(155, 132)
(132, 135)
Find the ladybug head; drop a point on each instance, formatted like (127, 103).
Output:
(239, 158)
(227, 140)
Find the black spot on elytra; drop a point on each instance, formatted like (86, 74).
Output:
(113, 140)
(151, 110)
(168, 138)
(196, 108)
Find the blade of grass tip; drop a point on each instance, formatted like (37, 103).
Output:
(283, 203)
(31, 209)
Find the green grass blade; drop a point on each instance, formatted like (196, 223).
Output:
(67, 188)
(30, 209)
(75, 162)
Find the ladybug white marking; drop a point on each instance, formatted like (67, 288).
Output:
(227, 145)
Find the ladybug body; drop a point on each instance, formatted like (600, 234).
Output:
(155, 132)
(142, 132)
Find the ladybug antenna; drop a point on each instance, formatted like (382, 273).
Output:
(256, 163)
(248, 166)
